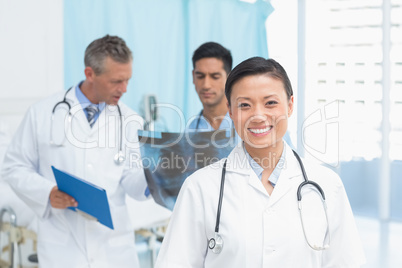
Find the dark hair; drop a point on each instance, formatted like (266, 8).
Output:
(214, 50)
(258, 66)
(107, 46)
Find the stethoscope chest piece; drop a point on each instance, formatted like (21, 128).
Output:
(216, 244)
(119, 158)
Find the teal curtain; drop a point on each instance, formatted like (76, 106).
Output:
(163, 35)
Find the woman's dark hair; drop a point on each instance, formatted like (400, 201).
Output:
(258, 66)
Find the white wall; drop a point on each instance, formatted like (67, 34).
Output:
(31, 67)
(31, 56)
(282, 46)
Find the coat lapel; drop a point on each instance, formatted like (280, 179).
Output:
(238, 163)
(286, 182)
(78, 115)
(105, 114)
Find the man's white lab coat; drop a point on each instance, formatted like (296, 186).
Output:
(66, 239)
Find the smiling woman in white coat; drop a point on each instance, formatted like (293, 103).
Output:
(243, 211)
(86, 147)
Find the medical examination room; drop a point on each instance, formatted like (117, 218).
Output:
(200, 133)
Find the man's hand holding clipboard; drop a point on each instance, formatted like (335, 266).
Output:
(79, 195)
(61, 200)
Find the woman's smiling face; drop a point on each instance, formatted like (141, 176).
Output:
(259, 108)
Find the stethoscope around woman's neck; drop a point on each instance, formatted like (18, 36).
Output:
(216, 243)
(119, 158)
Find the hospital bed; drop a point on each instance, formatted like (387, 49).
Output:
(149, 221)
(12, 237)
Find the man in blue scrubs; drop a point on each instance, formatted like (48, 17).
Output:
(212, 64)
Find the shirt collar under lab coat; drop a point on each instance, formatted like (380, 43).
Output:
(273, 178)
(78, 112)
(237, 163)
(83, 100)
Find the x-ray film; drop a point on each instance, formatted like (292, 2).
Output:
(169, 158)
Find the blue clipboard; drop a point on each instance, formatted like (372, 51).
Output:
(92, 200)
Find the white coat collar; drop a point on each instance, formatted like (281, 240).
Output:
(238, 163)
(78, 113)
(286, 180)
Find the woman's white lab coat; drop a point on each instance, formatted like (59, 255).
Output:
(258, 230)
(66, 239)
